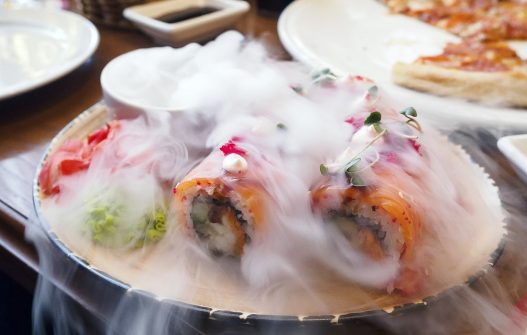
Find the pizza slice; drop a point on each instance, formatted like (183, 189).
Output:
(507, 20)
(488, 72)
(492, 21)
(486, 20)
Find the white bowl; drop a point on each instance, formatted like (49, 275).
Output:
(131, 84)
(515, 149)
(199, 28)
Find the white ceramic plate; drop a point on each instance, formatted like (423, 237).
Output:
(40, 45)
(515, 149)
(361, 37)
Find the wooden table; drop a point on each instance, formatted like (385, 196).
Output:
(28, 122)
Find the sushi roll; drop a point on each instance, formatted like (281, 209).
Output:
(365, 194)
(376, 220)
(379, 221)
(220, 202)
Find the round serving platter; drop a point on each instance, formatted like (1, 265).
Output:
(210, 317)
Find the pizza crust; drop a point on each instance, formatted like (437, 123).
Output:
(496, 88)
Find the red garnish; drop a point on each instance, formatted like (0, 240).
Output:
(520, 319)
(522, 305)
(44, 179)
(99, 135)
(231, 148)
(361, 78)
(415, 145)
(71, 166)
(355, 122)
(390, 157)
(72, 157)
(174, 190)
(103, 133)
(55, 189)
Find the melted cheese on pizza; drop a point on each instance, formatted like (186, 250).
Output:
(471, 55)
(479, 19)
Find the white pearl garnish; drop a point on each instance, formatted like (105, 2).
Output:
(234, 163)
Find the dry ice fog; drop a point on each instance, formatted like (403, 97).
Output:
(298, 131)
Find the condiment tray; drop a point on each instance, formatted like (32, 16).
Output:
(175, 22)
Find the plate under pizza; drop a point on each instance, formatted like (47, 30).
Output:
(364, 37)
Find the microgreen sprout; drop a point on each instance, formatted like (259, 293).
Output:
(323, 76)
(356, 180)
(410, 113)
(323, 170)
(298, 89)
(323, 73)
(352, 169)
(374, 119)
(352, 165)
(372, 91)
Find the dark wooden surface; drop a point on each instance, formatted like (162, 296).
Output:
(29, 121)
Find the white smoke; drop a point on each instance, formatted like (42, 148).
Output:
(298, 265)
